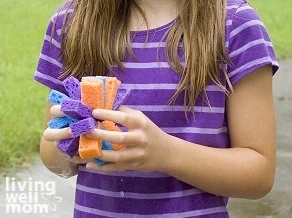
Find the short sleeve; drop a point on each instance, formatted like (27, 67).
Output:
(249, 44)
(50, 63)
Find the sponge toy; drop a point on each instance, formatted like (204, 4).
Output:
(88, 147)
(82, 127)
(91, 93)
(56, 97)
(75, 109)
(105, 146)
(69, 146)
(122, 95)
(96, 92)
(60, 122)
(111, 88)
(72, 86)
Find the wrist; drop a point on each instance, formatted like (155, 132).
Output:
(67, 169)
(168, 157)
(54, 162)
(62, 167)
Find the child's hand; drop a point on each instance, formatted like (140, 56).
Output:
(55, 135)
(146, 145)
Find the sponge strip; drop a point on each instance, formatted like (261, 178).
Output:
(89, 148)
(69, 146)
(75, 109)
(72, 86)
(98, 92)
(91, 93)
(111, 126)
(103, 79)
(56, 97)
(60, 122)
(122, 95)
(105, 146)
(82, 127)
(112, 85)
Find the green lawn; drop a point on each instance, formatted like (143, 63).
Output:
(22, 27)
(22, 101)
(277, 17)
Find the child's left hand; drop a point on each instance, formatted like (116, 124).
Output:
(146, 145)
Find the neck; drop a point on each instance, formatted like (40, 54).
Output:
(157, 12)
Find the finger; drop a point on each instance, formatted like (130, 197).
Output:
(109, 167)
(57, 134)
(130, 120)
(127, 138)
(56, 111)
(75, 159)
(127, 155)
(126, 109)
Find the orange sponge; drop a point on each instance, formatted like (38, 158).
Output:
(111, 89)
(91, 93)
(111, 126)
(98, 92)
(89, 148)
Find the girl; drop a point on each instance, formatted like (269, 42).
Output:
(199, 120)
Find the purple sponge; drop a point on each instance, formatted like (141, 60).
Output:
(121, 96)
(60, 122)
(76, 109)
(56, 97)
(73, 88)
(82, 127)
(69, 146)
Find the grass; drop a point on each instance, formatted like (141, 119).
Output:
(22, 101)
(277, 17)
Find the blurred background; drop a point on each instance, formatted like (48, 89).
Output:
(22, 104)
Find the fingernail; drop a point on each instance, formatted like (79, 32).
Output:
(96, 113)
(90, 166)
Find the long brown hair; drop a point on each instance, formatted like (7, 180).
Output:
(98, 37)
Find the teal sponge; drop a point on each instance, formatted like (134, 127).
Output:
(105, 146)
(56, 97)
(60, 122)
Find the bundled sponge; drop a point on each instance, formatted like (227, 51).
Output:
(89, 94)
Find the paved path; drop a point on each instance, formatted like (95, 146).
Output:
(65, 188)
(277, 204)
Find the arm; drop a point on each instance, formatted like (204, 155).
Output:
(245, 170)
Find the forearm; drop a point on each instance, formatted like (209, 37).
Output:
(53, 161)
(234, 172)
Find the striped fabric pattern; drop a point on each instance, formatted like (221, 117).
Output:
(134, 194)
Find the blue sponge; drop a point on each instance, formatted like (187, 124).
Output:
(60, 122)
(105, 146)
(56, 97)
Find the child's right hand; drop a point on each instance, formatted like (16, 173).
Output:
(67, 163)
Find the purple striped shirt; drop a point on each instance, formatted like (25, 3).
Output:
(135, 194)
